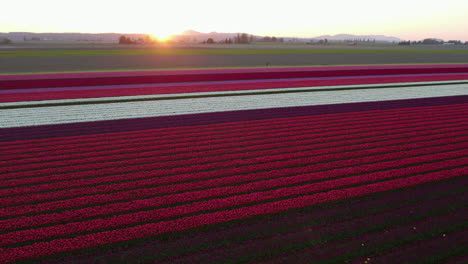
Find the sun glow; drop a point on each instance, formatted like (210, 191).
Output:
(162, 36)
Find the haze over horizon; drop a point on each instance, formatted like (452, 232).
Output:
(408, 20)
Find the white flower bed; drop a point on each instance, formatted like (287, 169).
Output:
(95, 112)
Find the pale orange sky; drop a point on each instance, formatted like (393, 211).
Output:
(406, 19)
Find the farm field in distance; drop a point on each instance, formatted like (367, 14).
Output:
(57, 57)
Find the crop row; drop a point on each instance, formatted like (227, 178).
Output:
(227, 126)
(177, 152)
(148, 172)
(233, 127)
(86, 128)
(152, 187)
(174, 136)
(177, 149)
(149, 108)
(190, 149)
(284, 183)
(253, 196)
(196, 88)
(161, 140)
(207, 76)
(152, 229)
(229, 160)
(133, 151)
(324, 148)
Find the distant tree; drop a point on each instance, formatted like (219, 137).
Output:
(5, 41)
(125, 40)
(456, 42)
(244, 38)
(241, 38)
(273, 39)
(251, 39)
(431, 41)
(210, 41)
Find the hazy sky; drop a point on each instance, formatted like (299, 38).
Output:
(406, 19)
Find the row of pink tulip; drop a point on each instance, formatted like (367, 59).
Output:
(230, 160)
(8, 165)
(180, 135)
(17, 205)
(383, 170)
(153, 229)
(177, 148)
(269, 149)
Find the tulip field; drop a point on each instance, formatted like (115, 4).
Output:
(345, 164)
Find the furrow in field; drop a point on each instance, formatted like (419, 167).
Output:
(190, 222)
(264, 236)
(263, 150)
(140, 157)
(142, 150)
(266, 189)
(173, 137)
(149, 162)
(186, 133)
(154, 190)
(229, 160)
(312, 236)
(253, 196)
(381, 237)
(442, 245)
(300, 161)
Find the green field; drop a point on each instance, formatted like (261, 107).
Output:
(196, 51)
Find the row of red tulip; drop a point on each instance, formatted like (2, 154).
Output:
(15, 153)
(184, 134)
(227, 154)
(223, 127)
(226, 161)
(252, 196)
(189, 222)
(60, 130)
(382, 171)
(183, 183)
(219, 143)
(97, 93)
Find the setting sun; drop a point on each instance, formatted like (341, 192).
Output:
(162, 36)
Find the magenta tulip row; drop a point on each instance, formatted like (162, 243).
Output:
(11, 162)
(264, 150)
(228, 161)
(227, 118)
(380, 171)
(152, 187)
(189, 222)
(215, 144)
(216, 204)
(151, 176)
(185, 134)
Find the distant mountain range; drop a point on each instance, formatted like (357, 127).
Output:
(349, 37)
(186, 36)
(101, 37)
(191, 35)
